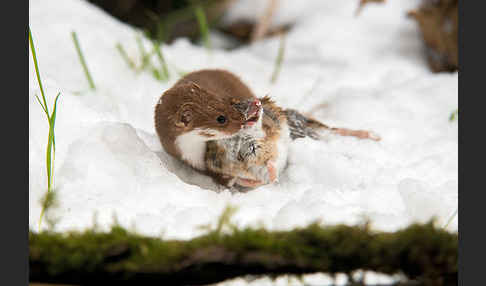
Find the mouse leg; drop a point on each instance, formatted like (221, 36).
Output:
(272, 172)
(249, 183)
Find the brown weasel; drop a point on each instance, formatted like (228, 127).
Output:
(213, 122)
(203, 106)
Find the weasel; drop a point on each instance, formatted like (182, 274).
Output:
(212, 121)
(204, 106)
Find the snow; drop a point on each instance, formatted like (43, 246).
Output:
(367, 72)
(370, 278)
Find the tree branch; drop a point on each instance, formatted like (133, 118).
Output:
(420, 252)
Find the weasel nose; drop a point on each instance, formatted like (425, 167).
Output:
(254, 107)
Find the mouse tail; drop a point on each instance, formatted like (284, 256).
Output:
(302, 126)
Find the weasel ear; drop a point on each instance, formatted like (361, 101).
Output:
(185, 118)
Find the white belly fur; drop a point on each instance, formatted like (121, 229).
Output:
(192, 148)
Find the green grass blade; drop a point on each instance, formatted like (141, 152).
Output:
(53, 123)
(42, 105)
(156, 74)
(143, 53)
(41, 216)
(81, 59)
(450, 219)
(34, 56)
(278, 62)
(49, 157)
(203, 25)
(50, 154)
(454, 115)
(125, 56)
(49, 165)
(165, 69)
(52, 119)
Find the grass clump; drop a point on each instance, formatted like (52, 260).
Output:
(81, 59)
(161, 74)
(51, 119)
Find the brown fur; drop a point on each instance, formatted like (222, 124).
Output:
(220, 82)
(196, 101)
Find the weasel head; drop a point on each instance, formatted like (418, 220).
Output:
(190, 108)
(187, 116)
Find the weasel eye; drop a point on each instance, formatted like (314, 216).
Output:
(221, 119)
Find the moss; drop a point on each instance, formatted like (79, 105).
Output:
(421, 252)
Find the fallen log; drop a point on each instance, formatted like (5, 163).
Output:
(420, 252)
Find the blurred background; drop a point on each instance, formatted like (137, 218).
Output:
(241, 22)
